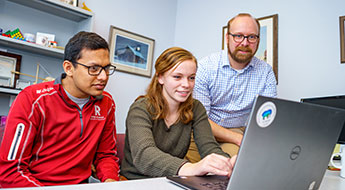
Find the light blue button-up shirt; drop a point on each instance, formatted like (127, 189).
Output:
(228, 94)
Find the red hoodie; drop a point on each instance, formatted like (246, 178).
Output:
(48, 140)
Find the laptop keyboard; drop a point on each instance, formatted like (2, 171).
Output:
(219, 185)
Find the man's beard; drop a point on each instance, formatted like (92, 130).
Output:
(241, 58)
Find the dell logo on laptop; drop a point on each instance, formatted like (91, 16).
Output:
(295, 152)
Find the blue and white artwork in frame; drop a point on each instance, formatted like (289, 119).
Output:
(130, 52)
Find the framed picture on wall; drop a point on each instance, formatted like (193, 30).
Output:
(342, 40)
(130, 52)
(9, 62)
(268, 47)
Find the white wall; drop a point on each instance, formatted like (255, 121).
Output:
(151, 18)
(308, 39)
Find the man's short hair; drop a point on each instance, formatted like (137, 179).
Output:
(83, 40)
(242, 15)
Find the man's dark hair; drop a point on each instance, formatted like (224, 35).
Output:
(83, 40)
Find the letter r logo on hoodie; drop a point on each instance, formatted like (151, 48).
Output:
(97, 110)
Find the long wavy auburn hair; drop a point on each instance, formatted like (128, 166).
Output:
(157, 104)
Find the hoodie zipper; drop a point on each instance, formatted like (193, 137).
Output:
(81, 118)
(79, 111)
(81, 122)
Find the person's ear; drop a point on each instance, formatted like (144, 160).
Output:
(227, 36)
(160, 79)
(68, 67)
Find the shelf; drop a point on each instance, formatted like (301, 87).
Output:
(57, 8)
(9, 91)
(48, 16)
(31, 47)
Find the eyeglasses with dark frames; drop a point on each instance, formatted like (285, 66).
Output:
(239, 38)
(95, 70)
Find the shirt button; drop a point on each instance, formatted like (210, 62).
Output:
(222, 120)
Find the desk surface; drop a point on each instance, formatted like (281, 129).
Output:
(331, 181)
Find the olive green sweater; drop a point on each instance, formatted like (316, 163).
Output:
(153, 150)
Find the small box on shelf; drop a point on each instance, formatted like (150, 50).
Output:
(44, 38)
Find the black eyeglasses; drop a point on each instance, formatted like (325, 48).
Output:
(95, 70)
(239, 38)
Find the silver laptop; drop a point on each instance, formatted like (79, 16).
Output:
(286, 145)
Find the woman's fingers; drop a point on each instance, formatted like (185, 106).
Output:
(213, 163)
(216, 164)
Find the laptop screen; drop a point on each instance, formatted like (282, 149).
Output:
(332, 101)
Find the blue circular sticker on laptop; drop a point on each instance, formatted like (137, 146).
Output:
(266, 114)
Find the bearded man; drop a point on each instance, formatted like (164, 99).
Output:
(227, 83)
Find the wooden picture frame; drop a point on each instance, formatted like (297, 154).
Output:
(342, 40)
(9, 62)
(131, 52)
(268, 41)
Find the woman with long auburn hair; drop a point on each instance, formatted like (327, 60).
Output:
(159, 125)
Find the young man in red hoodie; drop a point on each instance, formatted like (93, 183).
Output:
(56, 130)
